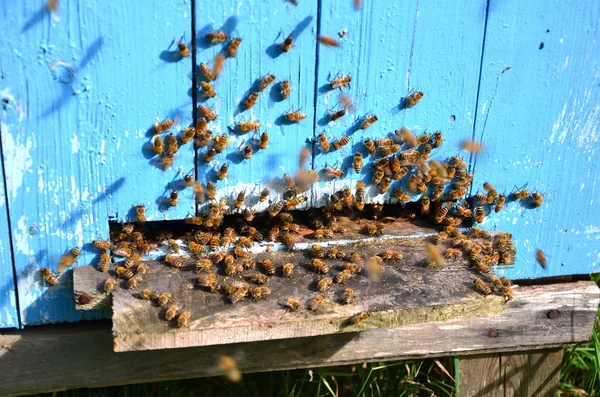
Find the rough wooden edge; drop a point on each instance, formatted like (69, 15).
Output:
(81, 354)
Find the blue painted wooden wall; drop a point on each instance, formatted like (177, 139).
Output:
(81, 88)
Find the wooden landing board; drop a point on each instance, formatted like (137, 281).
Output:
(78, 351)
(408, 293)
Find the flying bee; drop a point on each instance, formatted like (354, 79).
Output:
(183, 320)
(340, 82)
(324, 284)
(472, 146)
(109, 285)
(287, 44)
(264, 139)
(316, 302)
(211, 190)
(250, 100)
(540, 256)
(208, 89)
(49, 277)
(500, 203)
(163, 126)
(437, 139)
(284, 89)
(247, 126)
(401, 195)
(319, 266)
(209, 281)
(218, 65)
(207, 72)
(266, 81)
(537, 199)
(434, 258)
(333, 173)
(233, 46)
(304, 154)
(479, 214)
(173, 198)
(369, 121)
(294, 116)
(216, 37)
(412, 99)
(328, 41)
(338, 114)
(481, 286)
(347, 103)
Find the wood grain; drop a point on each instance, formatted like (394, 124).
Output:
(81, 90)
(539, 121)
(481, 375)
(391, 49)
(533, 374)
(78, 351)
(8, 308)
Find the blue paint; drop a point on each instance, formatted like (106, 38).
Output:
(74, 133)
(263, 26)
(8, 299)
(542, 129)
(391, 49)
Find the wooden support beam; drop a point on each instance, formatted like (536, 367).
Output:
(81, 355)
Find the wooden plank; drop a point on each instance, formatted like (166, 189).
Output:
(531, 373)
(77, 351)
(389, 50)
(8, 301)
(481, 375)
(539, 117)
(81, 90)
(259, 55)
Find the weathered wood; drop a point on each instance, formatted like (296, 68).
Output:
(534, 374)
(480, 375)
(82, 356)
(540, 124)
(8, 309)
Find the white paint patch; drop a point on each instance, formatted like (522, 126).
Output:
(591, 229)
(41, 184)
(582, 187)
(558, 123)
(103, 146)
(484, 108)
(566, 63)
(21, 236)
(74, 144)
(20, 160)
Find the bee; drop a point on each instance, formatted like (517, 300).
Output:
(49, 277)
(537, 199)
(218, 65)
(247, 126)
(232, 269)
(338, 114)
(401, 195)
(109, 285)
(266, 81)
(368, 122)
(174, 198)
(401, 172)
(462, 211)
(203, 138)
(540, 256)
(324, 142)
(347, 103)
(132, 283)
(479, 214)
(412, 99)
(343, 81)
(233, 46)
(124, 272)
(249, 263)
(335, 252)
(385, 185)
(291, 304)
(211, 190)
(481, 286)
(207, 112)
(425, 205)
(348, 297)
(210, 155)
(359, 318)
(472, 146)
(437, 139)
(319, 266)
(214, 243)
(372, 229)
(295, 202)
(221, 141)
(104, 262)
(294, 116)
(264, 138)
(328, 41)
(203, 265)
(103, 245)
(287, 270)
(457, 163)
(377, 176)
(324, 283)
(452, 253)
(239, 295)
(147, 294)
(288, 241)
(405, 136)
(264, 194)
(188, 180)
(387, 150)
(173, 260)
(207, 72)
(158, 146)
(500, 203)
(132, 260)
(304, 154)
(353, 268)
(183, 320)
(276, 209)
(426, 151)
(209, 281)
(250, 100)
(208, 89)
(440, 214)
(259, 278)
(317, 251)
(196, 248)
(284, 89)
(172, 144)
(316, 302)
(216, 37)
(171, 312)
(260, 292)
(269, 267)
(359, 202)
(392, 255)
(287, 43)
(163, 126)
(333, 173)
(434, 258)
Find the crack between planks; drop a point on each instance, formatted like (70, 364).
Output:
(10, 234)
(315, 96)
(194, 90)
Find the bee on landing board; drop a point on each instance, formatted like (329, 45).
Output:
(216, 37)
(369, 121)
(412, 99)
(294, 116)
(340, 82)
(266, 81)
(284, 89)
(233, 47)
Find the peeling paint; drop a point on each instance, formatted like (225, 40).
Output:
(21, 160)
